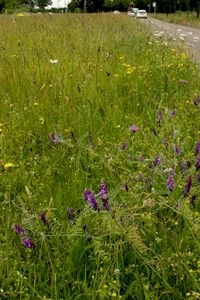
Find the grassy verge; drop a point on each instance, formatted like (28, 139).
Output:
(99, 161)
(183, 18)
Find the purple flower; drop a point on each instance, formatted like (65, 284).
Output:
(197, 148)
(177, 150)
(71, 216)
(90, 199)
(44, 219)
(187, 187)
(55, 138)
(28, 243)
(197, 164)
(18, 229)
(157, 161)
(133, 128)
(170, 183)
(103, 193)
(198, 177)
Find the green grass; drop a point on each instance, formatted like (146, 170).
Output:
(108, 73)
(182, 18)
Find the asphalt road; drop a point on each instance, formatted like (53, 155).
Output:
(188, 36)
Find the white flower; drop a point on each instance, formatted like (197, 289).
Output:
(53, 61)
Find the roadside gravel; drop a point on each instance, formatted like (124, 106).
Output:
(188, 36)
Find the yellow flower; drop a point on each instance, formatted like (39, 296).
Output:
(35, 103)
(183, 56)
(41, 120)
(8, 165)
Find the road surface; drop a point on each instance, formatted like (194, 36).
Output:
(188, 36)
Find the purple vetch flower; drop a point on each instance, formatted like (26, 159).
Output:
(71, 216)
(28, 243)
(170, 183)
(187, 187)
(89, 197)
(177, 150)
(18, 229)
(43, 218)
(133, 128)
(197, 164)
(197, 148)
(103, 194)
(55, 138)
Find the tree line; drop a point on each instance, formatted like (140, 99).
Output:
(91, 6)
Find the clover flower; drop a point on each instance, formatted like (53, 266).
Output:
(28, 243)
(170, 183)
(89, 197)
(71, 216)
(18, 229)
(103, 193)
(187, 187)
(133, 128)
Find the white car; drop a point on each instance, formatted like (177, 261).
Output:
(116, 12)
(141, 14)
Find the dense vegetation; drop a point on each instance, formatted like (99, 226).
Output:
(100, 161)
(159, 6)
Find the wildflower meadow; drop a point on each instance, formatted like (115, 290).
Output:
(99, 160)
